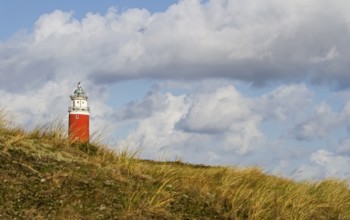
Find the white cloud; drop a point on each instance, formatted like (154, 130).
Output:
(321, 123)
(214, 121)
(219, 125)
(287, 102)
(155, 126)
(324, 164)
(329, 55)
(344, 146)
(219, 120)
(332, 164)
(216, 112)
(271, 40)
(37, 107)
(308, 172)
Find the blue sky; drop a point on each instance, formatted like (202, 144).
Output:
(218, 82)
(18, 14)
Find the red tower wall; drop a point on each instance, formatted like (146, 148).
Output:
(78, 127)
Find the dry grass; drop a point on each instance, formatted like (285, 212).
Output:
(44, 176)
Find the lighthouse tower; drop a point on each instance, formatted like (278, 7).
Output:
(79, 112)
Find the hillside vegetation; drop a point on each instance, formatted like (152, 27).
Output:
(43, 176)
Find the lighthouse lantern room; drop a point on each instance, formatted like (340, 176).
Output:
(79, 112)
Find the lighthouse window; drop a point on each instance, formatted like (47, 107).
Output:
(77, 116)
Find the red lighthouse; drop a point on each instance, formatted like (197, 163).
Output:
(79, 112)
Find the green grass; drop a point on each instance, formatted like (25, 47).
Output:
(43, 176)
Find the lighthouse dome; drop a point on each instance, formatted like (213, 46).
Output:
(79, 92)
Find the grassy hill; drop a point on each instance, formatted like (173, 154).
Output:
(42, 176)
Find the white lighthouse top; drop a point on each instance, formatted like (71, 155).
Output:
(79, 92)
(79, 103)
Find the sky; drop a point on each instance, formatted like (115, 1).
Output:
(216, 82)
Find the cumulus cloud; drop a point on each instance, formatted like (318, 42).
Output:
(216, 120)
(220, 125)
(36, 106)
(193, 39)
(215, 112)
(287, 102)
(321, 123)
(325, 164)
(343, 146)
(220, 120)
